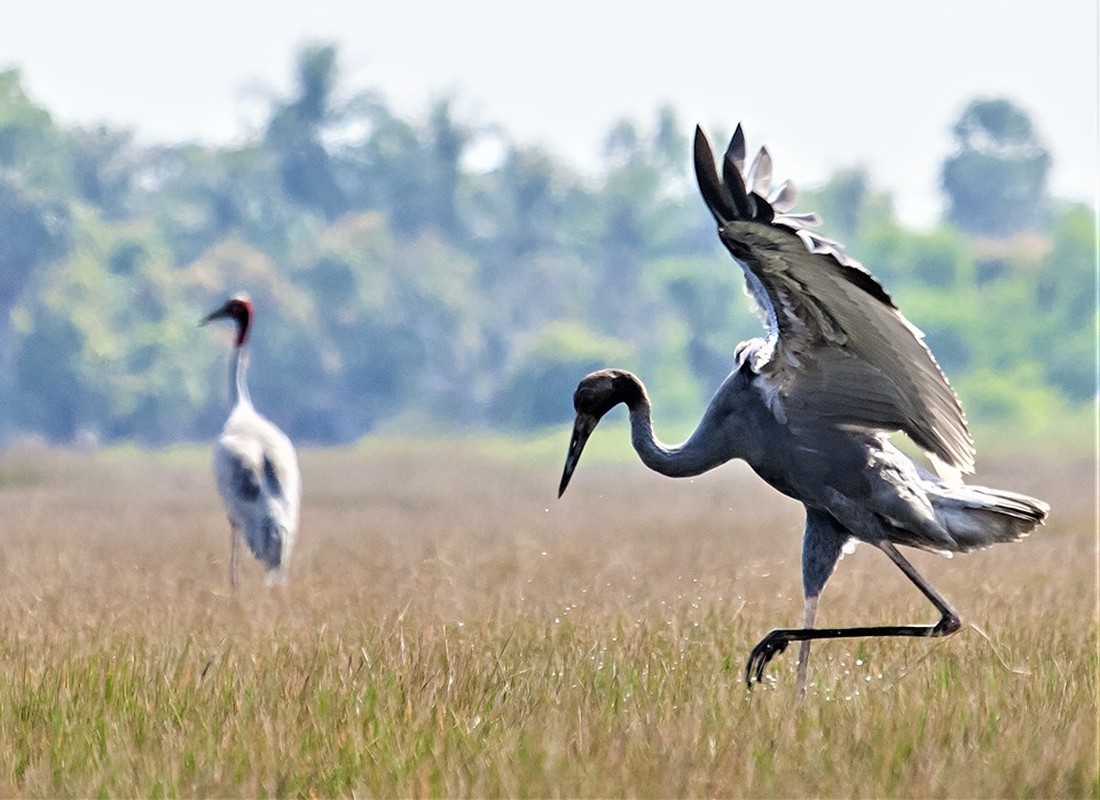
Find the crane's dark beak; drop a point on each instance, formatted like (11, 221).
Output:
(582, 429)
(221, 313)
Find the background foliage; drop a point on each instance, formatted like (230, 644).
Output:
(398, 285)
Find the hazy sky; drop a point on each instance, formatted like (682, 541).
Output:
(824, 84)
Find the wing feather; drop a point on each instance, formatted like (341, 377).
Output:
(783, 198)
(735, 185)
(839, 352)
(714, 192)
(760, 174)
(735, 153)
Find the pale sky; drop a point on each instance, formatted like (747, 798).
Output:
(825, 85)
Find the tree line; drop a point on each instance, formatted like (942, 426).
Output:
(398, 286)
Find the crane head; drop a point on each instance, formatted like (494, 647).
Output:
(596, 394)
(237, 308)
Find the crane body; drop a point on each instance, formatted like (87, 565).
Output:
(810, 409)
(255, 467)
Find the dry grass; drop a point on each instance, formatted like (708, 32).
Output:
(451, 629)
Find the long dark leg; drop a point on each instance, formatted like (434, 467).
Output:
(776, 642)
(809, 613)
(234, 547)
(822, 545)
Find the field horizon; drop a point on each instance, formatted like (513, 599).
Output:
(450, 628)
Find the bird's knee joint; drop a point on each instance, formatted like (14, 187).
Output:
(947, 626)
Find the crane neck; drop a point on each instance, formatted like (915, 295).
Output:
(238, 377)
(704, 450)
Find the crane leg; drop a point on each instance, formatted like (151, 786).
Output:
(809, 613)
(776, 642)
(234, 547)
(822, 545)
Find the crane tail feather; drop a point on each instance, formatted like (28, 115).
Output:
(977, 517)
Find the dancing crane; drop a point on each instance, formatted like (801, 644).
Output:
(255, 466)
(811, 406)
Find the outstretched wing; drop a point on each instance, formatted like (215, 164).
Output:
(839, 352)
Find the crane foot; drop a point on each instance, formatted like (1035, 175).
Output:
(768, 648)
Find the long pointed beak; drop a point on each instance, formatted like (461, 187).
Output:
(582, 429)
(213, 315)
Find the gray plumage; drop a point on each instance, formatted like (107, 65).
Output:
(810, 406)
(255, 466)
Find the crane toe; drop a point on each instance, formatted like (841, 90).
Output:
(768, 648)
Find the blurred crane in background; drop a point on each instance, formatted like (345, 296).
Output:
(811, 406)
(255, 466)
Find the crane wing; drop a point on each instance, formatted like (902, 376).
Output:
(257, 475)
(839, 352)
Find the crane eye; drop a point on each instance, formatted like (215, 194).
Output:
(588, 399)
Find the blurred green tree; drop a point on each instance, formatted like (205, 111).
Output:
(1066, 319)
(105, 169)
(539, 388)
(35, 213)
(996, 181)
(296, 135)
(100, 354)
(398, 281)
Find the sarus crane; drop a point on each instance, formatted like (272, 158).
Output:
(255, 466)
(811, 406)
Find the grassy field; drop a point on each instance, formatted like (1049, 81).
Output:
(452, 629)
